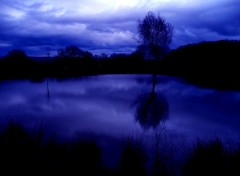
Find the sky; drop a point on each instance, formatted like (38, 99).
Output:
(107, 26)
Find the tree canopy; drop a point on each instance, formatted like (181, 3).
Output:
(73, 52)
(155, 34)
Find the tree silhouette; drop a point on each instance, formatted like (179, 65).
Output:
(73, 52)
(16, 56)
(155, 34)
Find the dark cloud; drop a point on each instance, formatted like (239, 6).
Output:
(38, 24)
(214, 22)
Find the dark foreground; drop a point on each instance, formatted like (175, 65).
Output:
(30, 153)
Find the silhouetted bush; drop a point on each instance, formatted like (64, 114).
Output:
(133, 159)
(164, 154)
(19, 151)
(84, 157)
(211, 158)
(17, 65)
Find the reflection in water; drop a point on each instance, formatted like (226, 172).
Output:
(151, 108)
(48, 92)
(100, 104)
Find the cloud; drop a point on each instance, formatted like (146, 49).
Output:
(110, 26)
(216, 21)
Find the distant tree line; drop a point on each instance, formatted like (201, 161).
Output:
(71, 62)
(208, 64)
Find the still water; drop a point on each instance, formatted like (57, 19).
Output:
(121, 105)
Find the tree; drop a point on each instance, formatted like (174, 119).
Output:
(17, 53)
(16, 56)
(155, 34)
(73, 52)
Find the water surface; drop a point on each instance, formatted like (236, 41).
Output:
(109, 105)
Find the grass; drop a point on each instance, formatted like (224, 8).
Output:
(212, 158)
(27, 153)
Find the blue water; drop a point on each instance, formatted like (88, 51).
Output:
(108, 105)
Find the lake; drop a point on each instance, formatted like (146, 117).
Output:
(118, 106)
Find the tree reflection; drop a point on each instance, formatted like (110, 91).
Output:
(151, 108)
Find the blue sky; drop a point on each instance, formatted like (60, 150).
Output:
(107, 26)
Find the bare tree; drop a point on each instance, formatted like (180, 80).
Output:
(155, 34)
